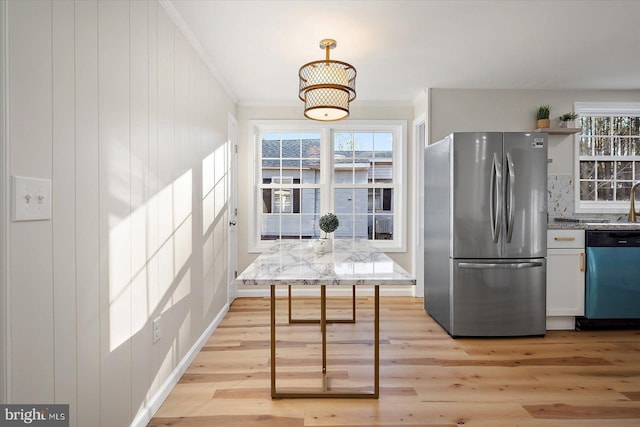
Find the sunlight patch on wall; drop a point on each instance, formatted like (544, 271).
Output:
(207, 273)
(119, 281)
(220, 160)
(214, 186)
(207, 254)
(140, 297)
(208, 212)
(140, 273)
(182, 206)
(208, 178)
(182, 289)
(220, 195)
(139, 256)
(215, 227)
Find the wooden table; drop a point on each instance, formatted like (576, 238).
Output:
(352, 263)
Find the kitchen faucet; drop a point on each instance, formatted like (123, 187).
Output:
(632, 208)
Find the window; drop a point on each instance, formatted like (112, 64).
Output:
(354, 169)
(364, 184)
(607, 156)
(290, 189)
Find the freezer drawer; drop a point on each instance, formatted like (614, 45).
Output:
(498, 297)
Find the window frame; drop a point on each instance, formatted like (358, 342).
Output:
(600, 109)
(326, 187)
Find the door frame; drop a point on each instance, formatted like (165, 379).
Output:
(232, 228)
(419, 144)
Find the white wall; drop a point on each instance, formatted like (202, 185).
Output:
(459, 110)
(245, 147)
(110, 101)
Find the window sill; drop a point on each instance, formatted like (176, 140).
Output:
(613, 208)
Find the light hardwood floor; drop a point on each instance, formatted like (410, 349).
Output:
(564, 379)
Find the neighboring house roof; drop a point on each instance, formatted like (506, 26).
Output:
(271, 154)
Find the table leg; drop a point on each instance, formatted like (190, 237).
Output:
(323, 331)
(273, 341)
(353, 311)
(325, 392)
(353, 304)
(376, 344)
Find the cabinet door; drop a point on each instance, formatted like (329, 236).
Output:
(565, 282)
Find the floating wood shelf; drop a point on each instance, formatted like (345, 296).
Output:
(559, 131)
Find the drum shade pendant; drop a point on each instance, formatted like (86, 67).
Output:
(327, 87)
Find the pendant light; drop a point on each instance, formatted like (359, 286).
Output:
(327, 86)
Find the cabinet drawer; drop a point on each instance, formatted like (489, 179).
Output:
(565, 239)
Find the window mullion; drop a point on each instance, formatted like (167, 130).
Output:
(326, 172)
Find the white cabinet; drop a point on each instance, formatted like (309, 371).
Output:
(565, 273)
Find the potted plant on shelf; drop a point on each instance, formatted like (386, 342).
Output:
(328, 224)
(567, 120)
(543, 117)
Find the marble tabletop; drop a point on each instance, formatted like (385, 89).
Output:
(352, 262)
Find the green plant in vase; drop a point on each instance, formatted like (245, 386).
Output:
(328, 224)
(567, 119)
(543, 116)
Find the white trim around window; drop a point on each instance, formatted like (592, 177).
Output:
(326, 186)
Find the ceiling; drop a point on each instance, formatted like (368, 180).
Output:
(401, 47)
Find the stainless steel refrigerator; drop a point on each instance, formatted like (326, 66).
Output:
(485, 233)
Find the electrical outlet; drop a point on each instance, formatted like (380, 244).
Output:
(156, 329)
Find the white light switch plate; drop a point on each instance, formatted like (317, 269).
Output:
(31, 199)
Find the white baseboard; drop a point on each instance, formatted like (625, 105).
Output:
(314, 291)
(146, 413)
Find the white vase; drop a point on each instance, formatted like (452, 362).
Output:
(322, 246)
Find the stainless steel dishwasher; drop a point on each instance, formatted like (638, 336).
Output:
(612, 294)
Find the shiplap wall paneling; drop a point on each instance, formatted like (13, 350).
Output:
(141, 322)
(153, 188)
(87, 213)
(161, 362)
(178, 312)
(110, 101)
(31, 281)
(63, 205)
(115, 212)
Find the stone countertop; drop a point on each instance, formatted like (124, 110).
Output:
(352, 262)
(593, 225)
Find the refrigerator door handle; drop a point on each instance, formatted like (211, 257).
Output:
(511, 213)
(479, 265)
(494, 196)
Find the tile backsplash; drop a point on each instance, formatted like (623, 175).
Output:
(561, 201)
